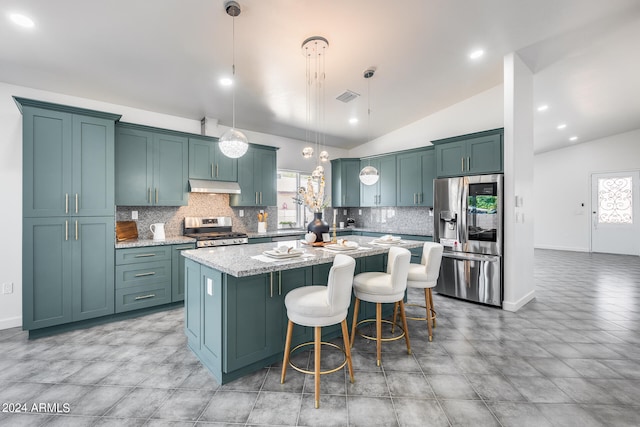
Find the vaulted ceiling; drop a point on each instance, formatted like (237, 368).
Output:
(168, 56)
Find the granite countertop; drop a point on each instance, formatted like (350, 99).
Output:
(138, 243)
(279, 232)
(237, 260)
(299, 231)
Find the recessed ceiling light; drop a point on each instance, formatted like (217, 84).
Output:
(476, 54)
(562, 126)
(226, 81)
(22, 20)
(353, 120)
(543, 107)
(573, 138)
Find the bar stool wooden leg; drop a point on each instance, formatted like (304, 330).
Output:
(318, 336)
(432, 312)
(379, 332)
(356, 307)
(427, 304)
(287, 351)
(347, 349)
(395, 316)
(403, 316)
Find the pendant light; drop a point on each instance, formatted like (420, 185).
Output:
(233, 143)
(314, 50)
(369, 175)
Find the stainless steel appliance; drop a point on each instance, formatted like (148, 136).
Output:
(213, 231)
(468, 216)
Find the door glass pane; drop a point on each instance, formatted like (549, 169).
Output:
(615, 200)
(482, 212)
(290, 213)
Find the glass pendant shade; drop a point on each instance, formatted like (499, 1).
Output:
(369, 175)
(233, 143)
(307, 152)
(324, 156)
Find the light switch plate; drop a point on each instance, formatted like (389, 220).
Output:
(241, 213)
(134, 214)
(209, 287)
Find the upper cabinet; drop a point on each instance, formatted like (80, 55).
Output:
(416, 171)
(383, 192)
(206, 161)
(151, 167)
(473, 154)
(345, 183)
(257, 174)
(68, 161)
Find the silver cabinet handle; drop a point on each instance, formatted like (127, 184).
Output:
(256, 197)
(261, 197)
(212, 174)
(76, 202)
(66, 203)
(461, 164)
(144, 297)
(280, 283)
(151, 273)
(271, 284)
(156, 195)
(216, 170)
(144, 255)
(414, 198)
(149, 195)
(468, 163)
(76, 229)
(66, 230)
(180, 248)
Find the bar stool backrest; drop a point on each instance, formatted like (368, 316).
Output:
(431, 259)
(340, 283)
(398, 268)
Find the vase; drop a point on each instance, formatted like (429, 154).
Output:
(318, 226)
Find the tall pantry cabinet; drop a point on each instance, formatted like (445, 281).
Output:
(68, 213)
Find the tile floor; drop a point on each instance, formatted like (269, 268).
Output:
(571, 357)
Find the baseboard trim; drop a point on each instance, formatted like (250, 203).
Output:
(561, 248)
(517, 305)
(12, 322)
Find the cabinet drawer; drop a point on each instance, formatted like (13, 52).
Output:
(143, 274)
(136, 255)
(143, 296)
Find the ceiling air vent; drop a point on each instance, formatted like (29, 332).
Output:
(347, 96)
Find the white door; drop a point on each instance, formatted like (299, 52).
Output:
(614, 219)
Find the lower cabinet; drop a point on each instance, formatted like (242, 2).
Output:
(143, 277)
(177, 271)
(67, 270)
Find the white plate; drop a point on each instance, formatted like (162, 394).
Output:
(387, 242)
(283, 255)
(335, 247)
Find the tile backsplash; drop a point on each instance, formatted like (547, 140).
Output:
(394, 219)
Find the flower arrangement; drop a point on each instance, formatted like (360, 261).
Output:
(315, 201)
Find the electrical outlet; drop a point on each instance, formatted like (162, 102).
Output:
(241, 213)
(344, 212)
(359, 211)
(7, 288)
(134, 214)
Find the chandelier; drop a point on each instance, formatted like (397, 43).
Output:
(369, 175)
(233, 143)
(314, 50)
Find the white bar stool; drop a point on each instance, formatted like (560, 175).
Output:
(382, 288)
(425, 276)
(318, 306)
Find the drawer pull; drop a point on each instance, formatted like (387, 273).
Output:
(144, 255)
(181, 248)
(151, 273)
(144, 297)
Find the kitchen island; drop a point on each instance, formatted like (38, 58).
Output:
(235, 317)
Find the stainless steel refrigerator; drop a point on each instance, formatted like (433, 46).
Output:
(468, 216)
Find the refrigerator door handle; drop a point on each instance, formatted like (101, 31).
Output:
(471, 257)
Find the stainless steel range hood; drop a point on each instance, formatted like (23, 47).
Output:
(204, 186)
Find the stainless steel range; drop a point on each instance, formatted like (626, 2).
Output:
(213, 231)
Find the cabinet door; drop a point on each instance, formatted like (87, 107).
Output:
(201, 159)
(387, 182)
(47, 162)
(264, 164)
(369, 193)
(193, 303)
(428, 163)
(409, 184)
(289, 280)
(484, 154)
(177, 271)
(351, 183)
(211, 332)
(134, 167)
(92, 266)
(253, 317)
(170, 170)
(46, 272)
(450, 159)
(226, 168)
(246, 179)
(93, 167)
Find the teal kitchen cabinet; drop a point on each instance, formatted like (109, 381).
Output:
(473, 154)
(177, 271)
(206, 161)
(67, 163)
(257, 174)
(143, 277)
(383, 192)
(152, 167)
(68, 270)
(416, 171)
(345, 183)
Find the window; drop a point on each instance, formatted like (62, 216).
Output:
(290, 213)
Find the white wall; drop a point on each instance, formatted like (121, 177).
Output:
(478, 113)
(562, 183)
(289, 157)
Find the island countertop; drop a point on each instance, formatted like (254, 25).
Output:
(240, 260)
